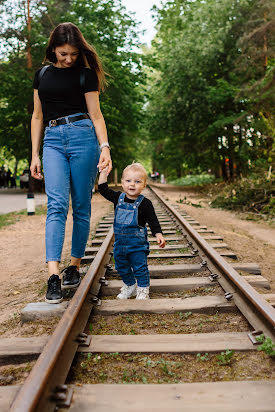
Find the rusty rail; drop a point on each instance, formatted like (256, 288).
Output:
(44, 388)
(264, 308)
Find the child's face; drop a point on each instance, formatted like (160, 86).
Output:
(133, 183)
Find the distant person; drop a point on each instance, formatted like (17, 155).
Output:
(132, 212)
(154, 176)
(8, 178)
(74, 135)
(5, 178)
(12, 182)
(1, 177)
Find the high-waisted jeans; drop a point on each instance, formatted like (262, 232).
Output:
(70, 158)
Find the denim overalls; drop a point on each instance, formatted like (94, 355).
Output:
(131, 245)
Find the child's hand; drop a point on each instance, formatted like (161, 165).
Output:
(103, 175)
(160, 240)
(104, 170)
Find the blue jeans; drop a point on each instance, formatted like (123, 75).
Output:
(70, 158)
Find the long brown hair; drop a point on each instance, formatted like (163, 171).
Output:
(69, 33)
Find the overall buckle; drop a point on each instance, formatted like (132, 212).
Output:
(53, 123)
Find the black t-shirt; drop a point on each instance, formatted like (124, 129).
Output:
(60, 92)
(146, 211)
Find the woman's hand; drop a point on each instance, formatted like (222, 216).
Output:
(36, 168)
(105, 160)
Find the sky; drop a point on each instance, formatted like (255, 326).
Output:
(143, 14)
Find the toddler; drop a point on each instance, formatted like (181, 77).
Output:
(132, 212)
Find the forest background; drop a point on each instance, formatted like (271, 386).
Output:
(200, 99)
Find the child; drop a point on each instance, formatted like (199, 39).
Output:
(132, 212)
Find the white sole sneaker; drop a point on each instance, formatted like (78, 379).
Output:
(127, 291)
(142, 293)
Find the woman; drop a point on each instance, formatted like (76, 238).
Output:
(66, 101)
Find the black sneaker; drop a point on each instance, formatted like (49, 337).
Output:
(54, 292)
(70, 278)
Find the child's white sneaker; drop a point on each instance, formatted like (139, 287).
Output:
(127, 291)
(143, 293)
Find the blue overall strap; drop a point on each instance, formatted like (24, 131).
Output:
(138, 200)
(121, 198)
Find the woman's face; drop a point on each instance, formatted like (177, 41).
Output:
(66, 55)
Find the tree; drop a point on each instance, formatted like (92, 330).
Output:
(196, 102)
(114, 34)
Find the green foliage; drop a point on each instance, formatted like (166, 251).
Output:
(224, 358)
(254, 193)
(201, 357)
(193, 180)
(104, 24)
(185, 315)
(206, 101)
(267, 345)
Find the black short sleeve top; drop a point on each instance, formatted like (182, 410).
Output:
(60, 92)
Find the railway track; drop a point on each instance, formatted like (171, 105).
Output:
(201, 305)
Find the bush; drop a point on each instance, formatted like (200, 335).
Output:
(193, 180)
(254, 193)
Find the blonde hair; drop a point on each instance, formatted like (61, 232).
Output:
(136, 167)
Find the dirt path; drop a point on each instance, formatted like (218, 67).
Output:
(251, 241)
(23, 271)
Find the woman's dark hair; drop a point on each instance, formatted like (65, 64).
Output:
(69, 33)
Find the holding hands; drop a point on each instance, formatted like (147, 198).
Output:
(105, 161)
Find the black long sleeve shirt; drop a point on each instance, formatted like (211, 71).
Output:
(146, 211)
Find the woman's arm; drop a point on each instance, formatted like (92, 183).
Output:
(36, 134)
(93, 105)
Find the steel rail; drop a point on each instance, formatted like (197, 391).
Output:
(39, 392)
(265, 308)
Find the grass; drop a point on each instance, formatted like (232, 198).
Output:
(137, 368)
(193, 180)
(14, 217)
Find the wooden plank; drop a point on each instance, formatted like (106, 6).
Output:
(247, 267)
(150, 239)
(187, 255)
(166, 270)
(213, 237)
(22, 346)
(162, 285)
(7, 395)
(200, 304)
(228, 254)
(270, 297)
(89, 250)
(242, 396)
(170, 255)
(170, 343)
(170, 247)
(158, 343)
(258, 281)
(179, 284)
(218, 245)
(167, 238)
(204, 231)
